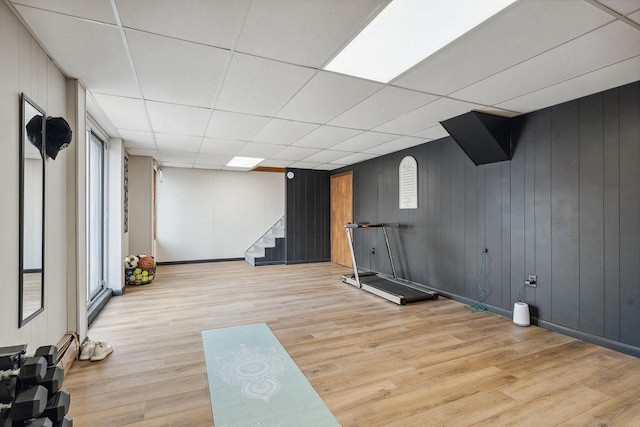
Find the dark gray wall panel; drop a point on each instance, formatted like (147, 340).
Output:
(506, 234)
(565, 238)
(611, 216)
(471, 265)
(523, 127)
(446, 244)
(308, 226)
(529, 148)
(629, 104)
(387, 193)
(433, 212)
(493, 232)
(543, 213)
(566, 207)
(482, 235)
(591, 215)
(457, 212)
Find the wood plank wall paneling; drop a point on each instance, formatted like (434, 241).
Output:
(566, 208)
(308, 229)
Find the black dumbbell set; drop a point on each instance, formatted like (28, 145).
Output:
(31, 392)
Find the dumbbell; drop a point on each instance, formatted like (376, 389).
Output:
(46, 422)
(34, 371)
(57, 406)
(49, 352)
(29, 403)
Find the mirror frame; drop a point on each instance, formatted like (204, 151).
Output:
(24, 100)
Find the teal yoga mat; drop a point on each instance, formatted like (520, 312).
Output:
(254, 382)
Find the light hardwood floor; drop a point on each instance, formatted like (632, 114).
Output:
(373, 363)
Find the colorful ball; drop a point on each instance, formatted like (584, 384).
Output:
(146, 263)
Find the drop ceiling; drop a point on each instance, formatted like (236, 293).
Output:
(194, 83)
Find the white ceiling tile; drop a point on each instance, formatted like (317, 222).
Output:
(521, 32)
(226, 125)
(221, 146)
(325, 96)
(210, 167)
(635, 17)
(381, 107)
(178, 119)
(615, 42)
(279, 131)
(138, 139)
(328, 167)
(99, 116)
(426, 116)
(177, 157)
(294, 153)
(146, 153)
(354, 158)
(125, 113)
(96, 10)
(213, 159)
(623, 7)
(364, 140)
(397, 145)
(326, 156)
(177, 165)
(260, 86)
(274, 163)
(176, 71)
(606, 78)
(326, 136)
(303, 32)
(170, 142)
(211, 22)
(260, 150)
(434, 132)
(93, 53)
(305, 165)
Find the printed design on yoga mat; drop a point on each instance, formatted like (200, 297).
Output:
(254, 369)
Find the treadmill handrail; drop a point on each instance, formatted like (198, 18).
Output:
(367, 225)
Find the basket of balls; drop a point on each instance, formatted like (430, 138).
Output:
(139, 269)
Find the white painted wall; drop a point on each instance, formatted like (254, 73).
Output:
(25, 67)
(141, 205)
(210, 214)
(115, 206)
(77, 209)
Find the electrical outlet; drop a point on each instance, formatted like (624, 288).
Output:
(373, 251)
(532, 281)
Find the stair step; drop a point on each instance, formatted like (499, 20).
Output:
(257, 253)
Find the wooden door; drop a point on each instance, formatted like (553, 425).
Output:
(341, 213)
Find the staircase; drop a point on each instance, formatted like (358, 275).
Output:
(270, 248)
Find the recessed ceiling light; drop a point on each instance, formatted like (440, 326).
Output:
(244, 162)
(408, 31)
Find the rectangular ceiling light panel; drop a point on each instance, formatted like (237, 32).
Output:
(244, 162)
(408, 31)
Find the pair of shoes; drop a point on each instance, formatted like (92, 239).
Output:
(95, 350)
(102, 350)
(87, 349)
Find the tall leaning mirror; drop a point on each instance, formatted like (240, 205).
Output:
(32, 179)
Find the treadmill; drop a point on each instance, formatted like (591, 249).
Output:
(390, 288)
